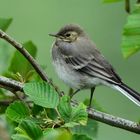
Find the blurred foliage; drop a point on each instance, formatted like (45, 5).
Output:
(90, 130)
(20, 68)
(4, 46)
(5, 55)
(131, 33)
(4, 23)
(109, 1)
(28, 130)
(15, 113)
(57, 134)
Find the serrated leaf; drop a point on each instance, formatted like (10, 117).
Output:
(29, 129)
(20, 137)
(17, 111)
(4, 23)
(72, 115)
(131, 33)
(65, 108)
(57, 134)
(110, 1)
(90, 130)
(19, 63)
(42, 94)
(79, 114)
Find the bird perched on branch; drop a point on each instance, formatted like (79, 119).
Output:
(80, 64)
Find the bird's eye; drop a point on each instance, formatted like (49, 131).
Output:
(67, 35)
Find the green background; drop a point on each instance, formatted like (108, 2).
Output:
(35, 19)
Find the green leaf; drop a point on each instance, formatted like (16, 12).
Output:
(51, 113)
(90, 130)
(72, 115)
(20, 137)
(2, 93)
(5, 55)
(110, 1)
(42, 94)
(131, 33)
(80, 137)
(19, 63)
(57, 134)
(2, 109)
(36, 109)
(4, 23)
(65, 108)
(29, 129)
(17, 111)
(79, 114)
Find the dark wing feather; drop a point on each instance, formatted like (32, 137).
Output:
(93, 67)
(87, 60)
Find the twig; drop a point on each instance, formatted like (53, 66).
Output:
(6, 102)
(114, 121)
(93, 114)
(18, 96)
(10, 84)
(127, 6)
(32, 61)
(26, 54)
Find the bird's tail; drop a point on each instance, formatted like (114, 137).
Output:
(129, 93)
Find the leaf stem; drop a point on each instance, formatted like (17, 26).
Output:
(138, 1)
(127, 6)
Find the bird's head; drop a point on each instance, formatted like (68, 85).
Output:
(69, 33)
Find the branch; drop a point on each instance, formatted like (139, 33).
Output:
(10, 84)
(92, 113)
(31, 60)
(114, 121)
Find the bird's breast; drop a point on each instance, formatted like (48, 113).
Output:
(71, 77)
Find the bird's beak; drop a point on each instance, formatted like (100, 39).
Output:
(54, 35)
(57, 36)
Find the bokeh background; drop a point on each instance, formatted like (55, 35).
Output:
(35, 19)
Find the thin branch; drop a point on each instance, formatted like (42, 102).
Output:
(93, 114)
(114, 121)
(10, 84)
(6, 102)
(32, 61)
(26, 54)
(127, 6)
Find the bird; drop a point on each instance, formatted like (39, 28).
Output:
(79, 63)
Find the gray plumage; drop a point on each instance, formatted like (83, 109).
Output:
(80, 65)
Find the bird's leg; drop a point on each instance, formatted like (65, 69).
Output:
(91, 96)
(72, 94)
(70, 91)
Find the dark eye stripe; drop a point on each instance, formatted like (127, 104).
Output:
(67, 35)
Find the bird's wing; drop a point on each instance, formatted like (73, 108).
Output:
(93, 66)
